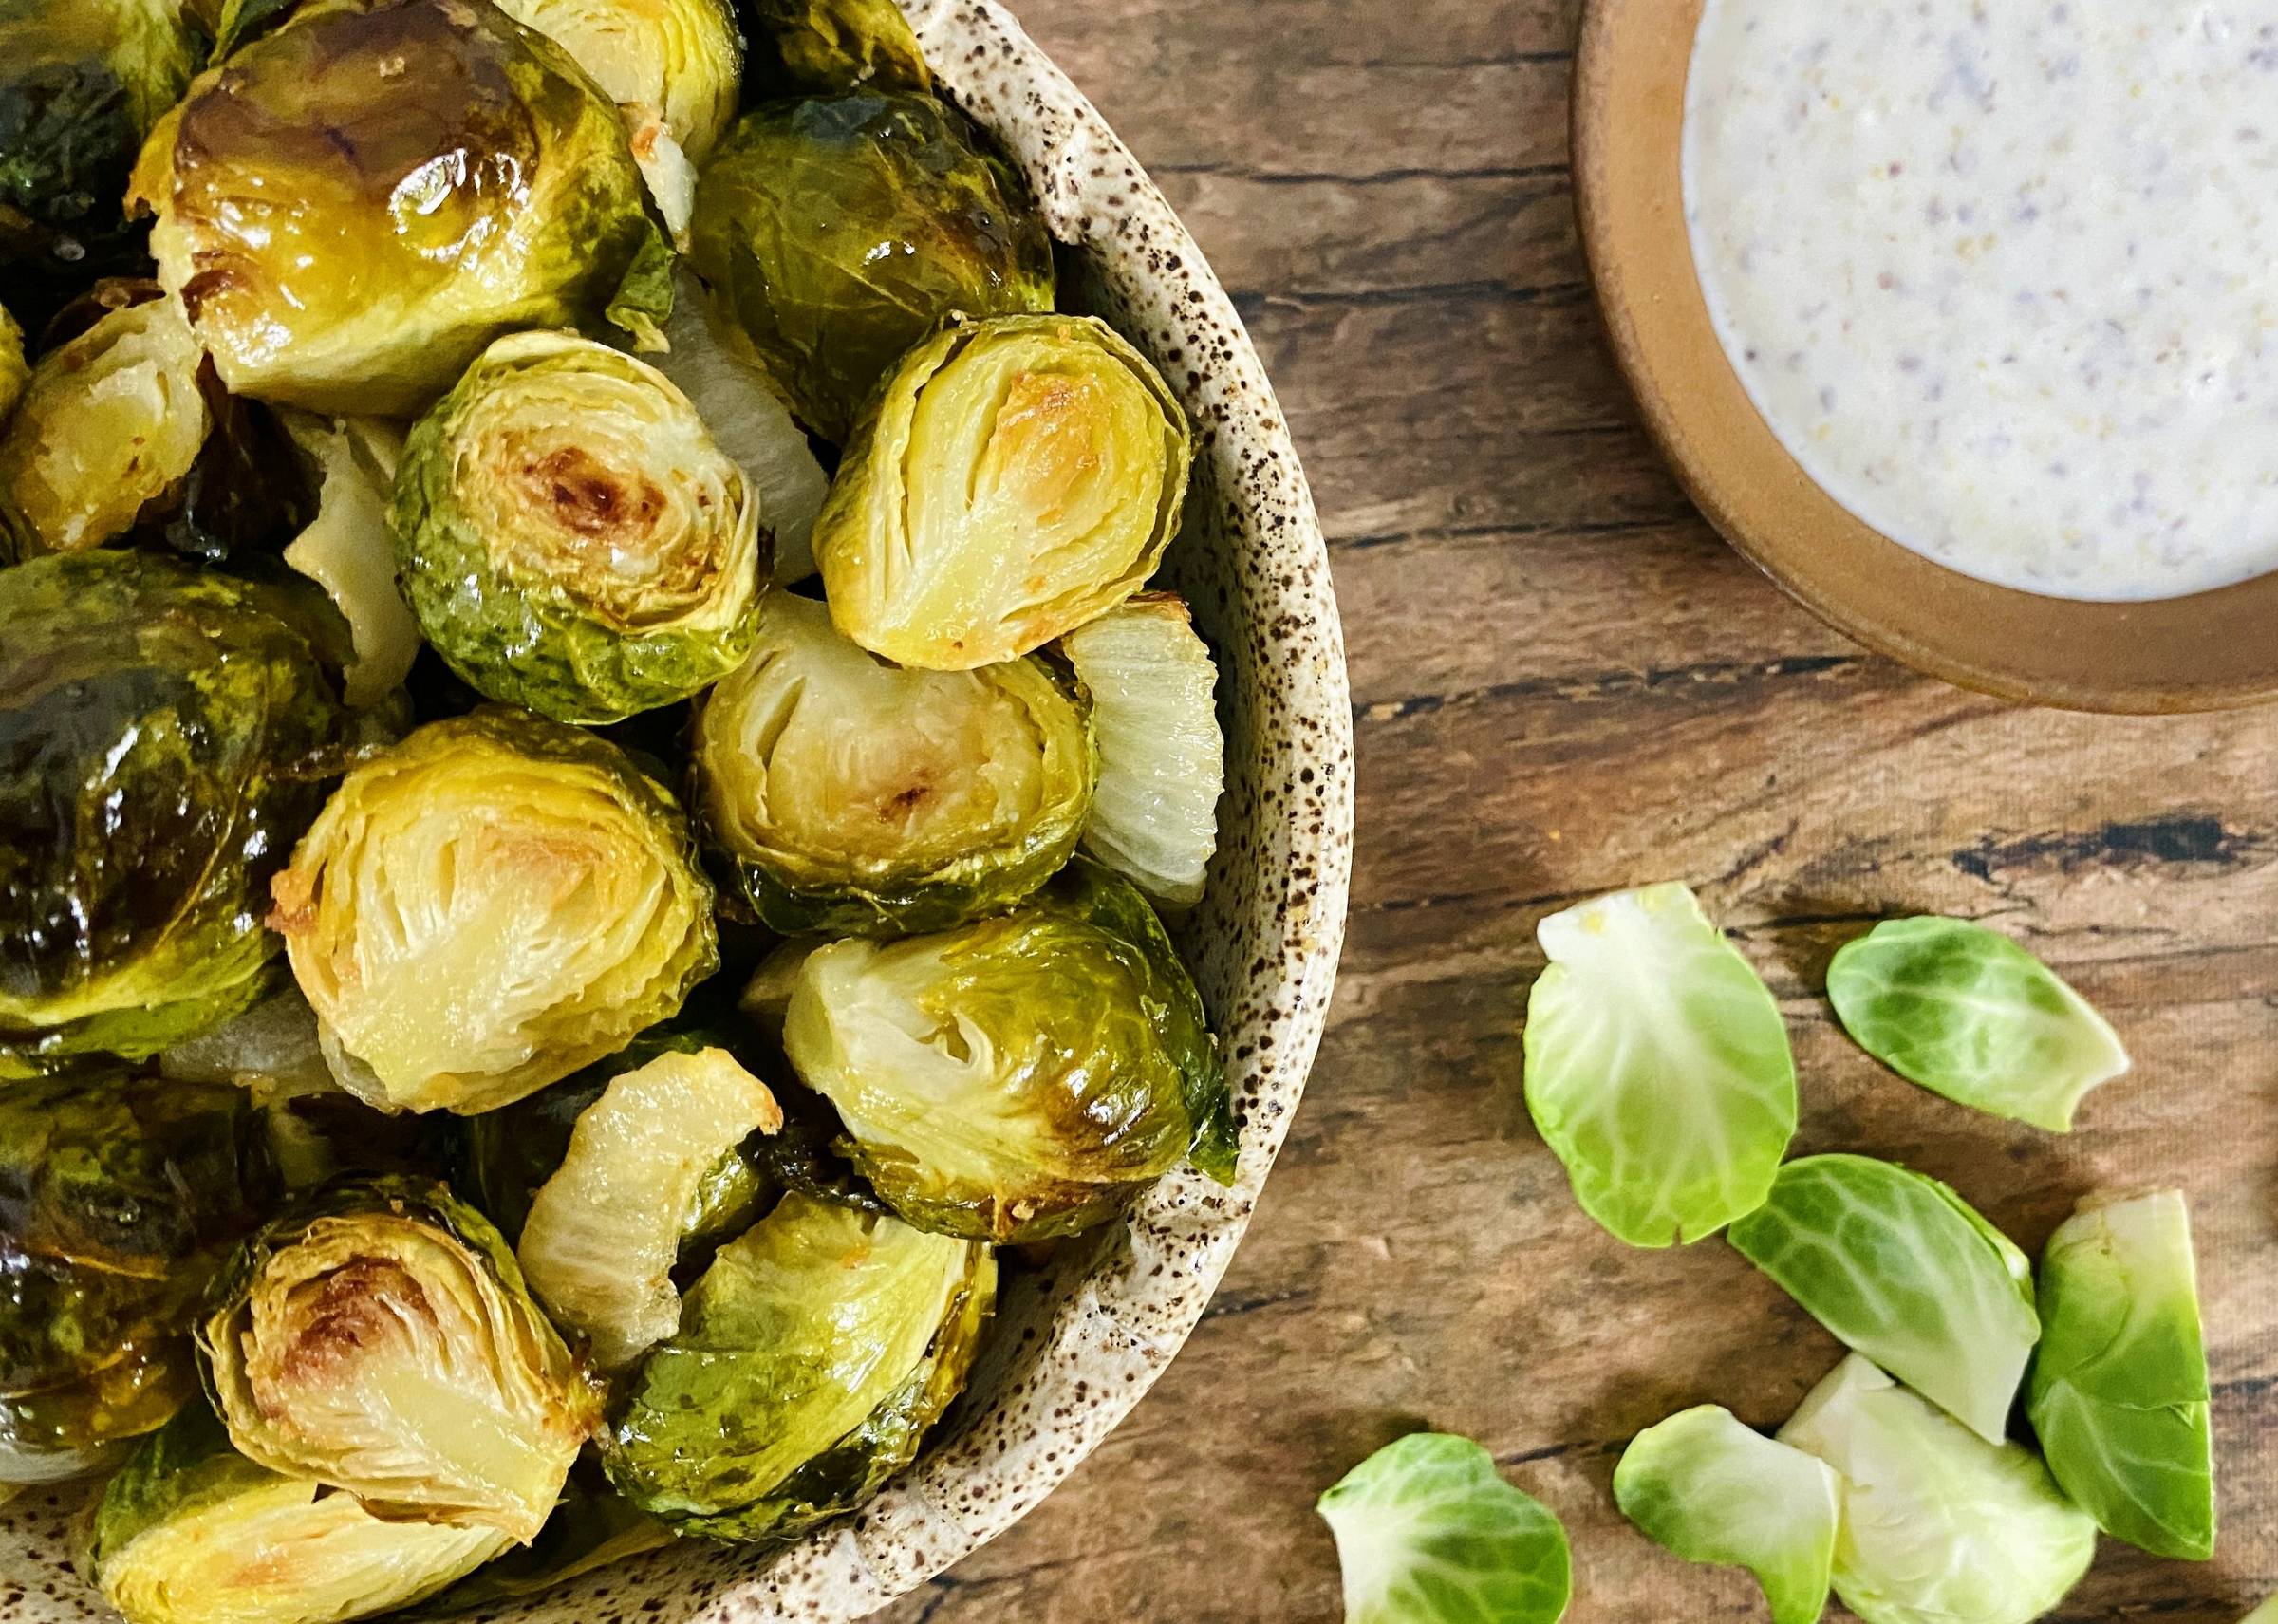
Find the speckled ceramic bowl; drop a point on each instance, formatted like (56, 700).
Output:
(1076, 1345)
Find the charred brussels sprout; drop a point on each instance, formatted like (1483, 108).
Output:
(842, 230)
(643, 1167)
(1021, 1078)
(1162, 755)
(111, 422)
(118, 1197)
(811, 1358)
(81, 81)
(571, 537)
(352, 207)
(851, 796)
(160, 733)
(488, 906)
(379, 1338)
(14, 372)
(190, 1532)
(1010, 480)
(808, 46)
(672, 66)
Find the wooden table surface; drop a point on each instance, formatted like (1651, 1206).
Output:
(1564, 685)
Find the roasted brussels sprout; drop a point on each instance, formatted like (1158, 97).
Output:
(854, 797)
(605, 1230)
(811, 1358)
(1021, 1078)
(1010, 480)
(347, 550)
(808, 46)
(489, 906)
(190, 1532)
(81, 81)
(571, 537)
(672, 66)
(110, 424)
(160, 738)
(352, 207)
(378, 1338)
(841, 230)
(593, 1527)
(14, 372)
(1162, 756)
(118, 1197)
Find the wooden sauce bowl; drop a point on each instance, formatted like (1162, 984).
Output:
(2205, 651)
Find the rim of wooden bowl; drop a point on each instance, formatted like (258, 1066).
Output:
(2206, 651)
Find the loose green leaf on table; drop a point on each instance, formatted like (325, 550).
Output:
(1657, 1067)
(1714, 1490)
(1966, 1013)
(1428, 1532)
(1901, 1269)
(2120, 1392)
(1938, 1526)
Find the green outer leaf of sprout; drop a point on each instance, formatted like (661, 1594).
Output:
(1657, 1067)
(2266, 1613)
(1710, 1489)
(1428, 1533)
(1967, 1014)
(2120, 1392)
(1901, 1269)
(1938, 1526)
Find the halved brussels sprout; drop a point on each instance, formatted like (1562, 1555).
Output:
(110, 424)
(851, 796)
(347, 549)
(489, 906)
(1021, 1078)
(190, 1532)
(1938, 1526)
(1162, 755)
(118, 1198)
(1010, 480)
(352, 207)
(571, 537)
(379, 1338)
(593, 1527)
(16, 372)
(714, 365)
(604, 1232)
(811, 1358)
(2120, 1392)
(801, 47)
(164, 738)
(842, 230)
(672, 66)
(81, 81)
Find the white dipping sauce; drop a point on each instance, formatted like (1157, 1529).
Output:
(2003, 274)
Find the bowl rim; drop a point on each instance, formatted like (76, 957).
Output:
(2203, 651)
(1141, 1298)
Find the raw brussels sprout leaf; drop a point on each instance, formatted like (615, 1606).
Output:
(1657, 1067)
(1162, 755)
(1901, 1269)
(605, 1231)
(1938, 1526)
(190, 1532)
(1966, 1013)
(1713, 1490)
(2120, 1394)
(1428, 1532)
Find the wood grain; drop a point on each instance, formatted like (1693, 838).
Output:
(1564, 683)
